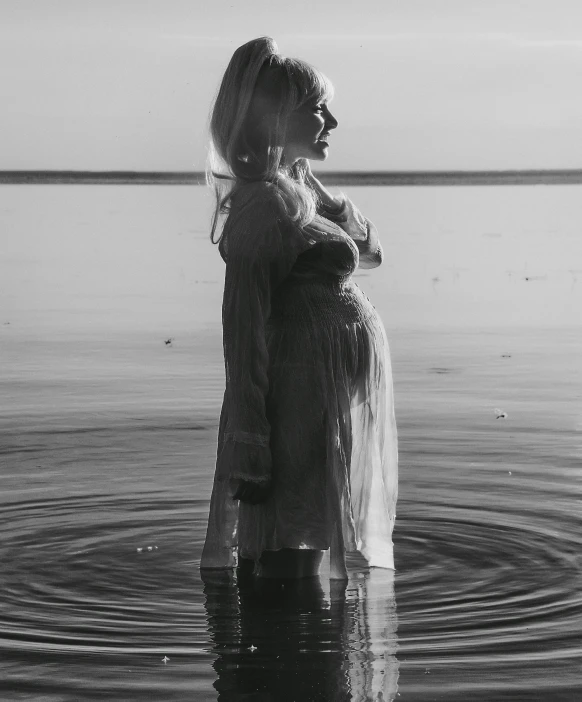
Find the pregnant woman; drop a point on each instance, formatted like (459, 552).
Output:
(307, 457)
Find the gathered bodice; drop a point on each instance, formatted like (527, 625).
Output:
(333, 253)
(319, 287)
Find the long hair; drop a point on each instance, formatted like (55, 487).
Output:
(248, 124)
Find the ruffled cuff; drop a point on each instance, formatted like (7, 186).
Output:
(336, 213)
(355, 225)
(245, 437)
(362, 231)
(245, 461)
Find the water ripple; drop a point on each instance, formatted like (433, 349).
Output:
(481, 587)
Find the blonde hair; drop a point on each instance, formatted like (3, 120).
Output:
(248, 124)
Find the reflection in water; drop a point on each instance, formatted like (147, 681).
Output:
(284, 640)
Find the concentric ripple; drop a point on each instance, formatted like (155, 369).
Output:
(107, 577)
(97, 573)
(103, 509)
(487, 587)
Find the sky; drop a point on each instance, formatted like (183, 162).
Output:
(420, 84)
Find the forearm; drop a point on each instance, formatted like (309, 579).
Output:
(371, 253)
(343, 212)
(361, 230)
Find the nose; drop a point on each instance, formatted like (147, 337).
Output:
(330, 121)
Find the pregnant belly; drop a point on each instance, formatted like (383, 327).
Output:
(320, 326)
(320, 302)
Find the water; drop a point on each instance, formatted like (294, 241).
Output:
(107, 441)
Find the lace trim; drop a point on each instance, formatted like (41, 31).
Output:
(245, 437)
(238, 475)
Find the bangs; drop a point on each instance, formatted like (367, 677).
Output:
(309, 83)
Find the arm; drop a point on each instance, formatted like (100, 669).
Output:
(262, 248)
(362, 231)
(343, 212)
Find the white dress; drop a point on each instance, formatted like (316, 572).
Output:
(308, 401)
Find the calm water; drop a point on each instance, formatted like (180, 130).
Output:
(107, 441)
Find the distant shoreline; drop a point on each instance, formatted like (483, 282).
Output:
(386, 178)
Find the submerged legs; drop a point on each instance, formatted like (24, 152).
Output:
(289, 563)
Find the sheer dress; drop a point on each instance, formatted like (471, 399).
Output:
(308, 401)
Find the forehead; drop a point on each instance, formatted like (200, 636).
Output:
(312, 85)
(319, 93)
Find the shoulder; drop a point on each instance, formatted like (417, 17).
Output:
(259, 197)
(259, 222)
(259, 207)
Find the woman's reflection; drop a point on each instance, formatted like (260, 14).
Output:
(285, 640)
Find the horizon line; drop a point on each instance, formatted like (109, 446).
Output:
(529, 176)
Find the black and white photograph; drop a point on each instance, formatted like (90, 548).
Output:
(291, 351)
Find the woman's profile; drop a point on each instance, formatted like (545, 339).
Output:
(307, 457)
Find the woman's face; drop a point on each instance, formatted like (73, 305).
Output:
(308, 132)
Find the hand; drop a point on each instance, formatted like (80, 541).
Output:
(331, 208)
(308, 174)
(337, 214)
(253, 493)
(327, 199)
(324, 195)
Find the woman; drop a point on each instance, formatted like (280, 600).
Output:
(307, 444)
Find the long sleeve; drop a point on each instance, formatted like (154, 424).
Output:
(361, 230)
(262, 247)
